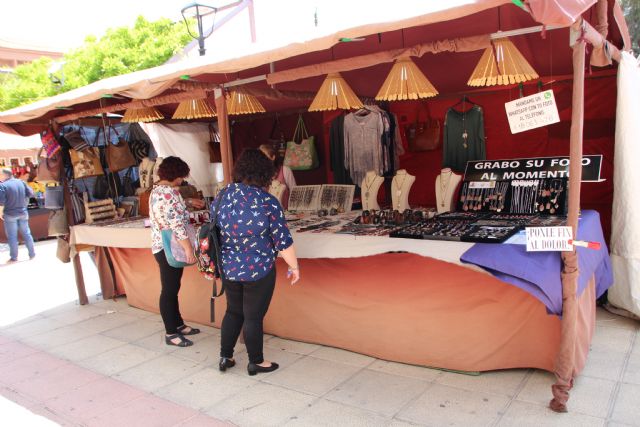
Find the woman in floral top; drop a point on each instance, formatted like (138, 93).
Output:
(167, 210)
(253, 231)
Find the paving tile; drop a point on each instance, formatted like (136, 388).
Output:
(604, 364)
(632, 371)
(147, 410)
(497, 382)
(281, 357)
(443, 405)
(405, 370)
(156, 343)
(379, 392)
(86, 347)
(54, 383)
(93, 399)
(119, 359)
(343, 356)
(29, 367)
(78, 314)
(62, 308)
(325, 413)
(205, 388)
(13, 395)
(608, 319)
(311, 375)
(523, 414)
(57, 337)
(108, 321)
(158, 372)
(35, 327)
(52, 417)
(14, 350)
(589, 396)
(611, 339)
(141, 328)
(205, 351)
(261, 405)
(625, 409)
(18, 322)
(617, 424)
(400, 423)
(292, 346)
(202, 420)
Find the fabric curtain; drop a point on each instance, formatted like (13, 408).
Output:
(625, 226)
(188, 141)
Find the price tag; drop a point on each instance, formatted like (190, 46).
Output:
(482, 184)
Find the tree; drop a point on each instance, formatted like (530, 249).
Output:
(121, 50)
(631, 9)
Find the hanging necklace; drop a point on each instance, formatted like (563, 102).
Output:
(444, 188)
(368, 186)
(465, 135)
(399, 187)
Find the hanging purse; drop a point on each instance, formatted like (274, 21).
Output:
(215, 155)
(49, 167)
(118, 155)
(63, 253)
(303, 155)
(86, 163)
(423, 135)
(49, 143)
(54, 197)
(128, 185)
(58, 224)
(77, 139)
(139, 142)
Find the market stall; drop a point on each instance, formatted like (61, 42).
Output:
(416, 307)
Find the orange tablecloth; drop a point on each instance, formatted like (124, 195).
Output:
(400, 307)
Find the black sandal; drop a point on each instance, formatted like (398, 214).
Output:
(193, 331)
(183, 341)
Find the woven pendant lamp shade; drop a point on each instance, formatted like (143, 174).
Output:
(509, 68)
(193, 109)
(405, 81)
(335, 94)
(240, 102)
(144, 115)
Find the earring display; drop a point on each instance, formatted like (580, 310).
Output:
(304, 198)
(338, 197)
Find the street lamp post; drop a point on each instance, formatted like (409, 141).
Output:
(198, 11)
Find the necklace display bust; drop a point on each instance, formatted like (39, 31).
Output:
(400, 187)
(369, 194)
(446, 185)
(277, 189)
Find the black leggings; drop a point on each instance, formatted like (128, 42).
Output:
(170, 280)
(247, 304)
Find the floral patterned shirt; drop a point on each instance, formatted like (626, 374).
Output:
(166, 210)
(253, 231)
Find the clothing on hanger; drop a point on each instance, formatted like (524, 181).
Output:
(463, 136)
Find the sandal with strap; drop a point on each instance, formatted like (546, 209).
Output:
(193, 331)
(183, 341)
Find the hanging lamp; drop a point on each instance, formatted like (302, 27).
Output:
(405, 81)
(240, 102)
(193, 109)
(335, 94)
(142, 114)
(501, 64)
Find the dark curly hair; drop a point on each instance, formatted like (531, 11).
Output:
(253, 168)
(173, 167)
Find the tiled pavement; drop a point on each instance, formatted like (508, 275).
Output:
(106, 364)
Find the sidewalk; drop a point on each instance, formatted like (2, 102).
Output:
(106, 364)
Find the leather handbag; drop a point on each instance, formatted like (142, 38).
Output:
(301, 155)
(424, 135)
(77, 139)
(143, 206)
(118, 155)
(63, 252)
(215, 155)
(139, 142)
(49, 167)
(58, 224)
(49, 143)
(128, 185)
(54, 197)
(86, 163)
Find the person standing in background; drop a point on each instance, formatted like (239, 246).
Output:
(283, 173)
(14, 197)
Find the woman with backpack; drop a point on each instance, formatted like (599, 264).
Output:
(253, 231)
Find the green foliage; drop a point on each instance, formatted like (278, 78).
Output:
(631, 10)
(120, 51)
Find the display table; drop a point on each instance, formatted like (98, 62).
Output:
(38, 224)
(404, 307)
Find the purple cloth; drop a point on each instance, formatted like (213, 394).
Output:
(538, 273)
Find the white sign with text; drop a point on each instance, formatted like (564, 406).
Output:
(532, 111)
(541, 239)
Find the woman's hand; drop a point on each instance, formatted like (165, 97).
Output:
(188, 250)
(196, 203)
(293, 274)
(191, 258)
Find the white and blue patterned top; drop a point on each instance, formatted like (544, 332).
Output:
(253, 231)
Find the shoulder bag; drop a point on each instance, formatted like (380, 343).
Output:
(423, 135)
(77, 139)
(49, 167)
(86, 163)
(301, 155)
(119, 155)
(173, 250)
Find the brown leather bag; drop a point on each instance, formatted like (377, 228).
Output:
(143, 206)
(424, 135)
(119, 155)
(86, 163)
(49, 168)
